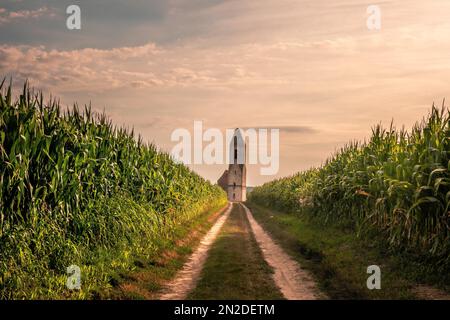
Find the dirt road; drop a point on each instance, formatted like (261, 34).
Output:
(242, 263)
(294, 282)
(186, 279)
(235, 268)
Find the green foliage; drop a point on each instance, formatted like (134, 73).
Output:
(74, 188)
(397, 182)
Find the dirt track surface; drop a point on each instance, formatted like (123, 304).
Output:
(294, 282)
(186, 278)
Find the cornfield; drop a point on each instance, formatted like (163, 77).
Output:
(73, 187)
(397, 182)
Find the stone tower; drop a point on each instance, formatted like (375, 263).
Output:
(234, 180)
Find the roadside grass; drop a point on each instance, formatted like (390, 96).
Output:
(338, 259)
(148, 277)
(235, 268)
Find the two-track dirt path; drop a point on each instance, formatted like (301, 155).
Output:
(187, 277)
(292, 281)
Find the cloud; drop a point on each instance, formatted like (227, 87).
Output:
(287, 129)
(11, 16)
(86, 69)
(106, 24)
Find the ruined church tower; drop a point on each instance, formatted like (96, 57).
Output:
(234, 180)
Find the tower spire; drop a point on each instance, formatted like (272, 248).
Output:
(233, 180)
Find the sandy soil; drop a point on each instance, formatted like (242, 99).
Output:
(430, 293)
(186, 278)
(294, 282)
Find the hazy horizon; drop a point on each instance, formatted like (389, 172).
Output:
(311, 68)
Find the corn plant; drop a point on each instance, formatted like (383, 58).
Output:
(397, 182)
(72, 184)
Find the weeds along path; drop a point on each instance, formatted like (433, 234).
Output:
(294, 282)
(186, 278)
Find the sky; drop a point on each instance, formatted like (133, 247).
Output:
(309, 67)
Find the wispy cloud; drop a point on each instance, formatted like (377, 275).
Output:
(11, 16)
(287, 128)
